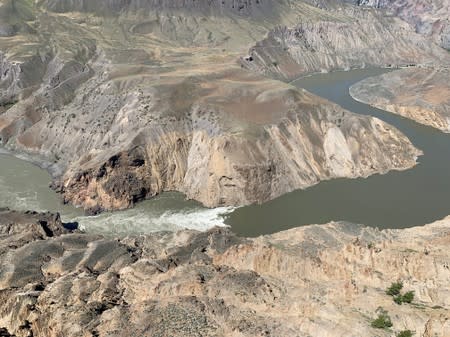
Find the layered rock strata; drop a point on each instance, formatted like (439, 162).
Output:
(422, 95)
(316, 280)
(428, 17)
(125, 100)
(350, 39)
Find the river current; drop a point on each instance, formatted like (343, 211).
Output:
(397, 199)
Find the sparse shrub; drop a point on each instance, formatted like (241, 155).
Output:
(405, 333)
(7, 104)
(408, 297)
(394, 289)
(398, 299)
(383, 321)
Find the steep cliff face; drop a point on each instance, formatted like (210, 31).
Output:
(145, 97)
(428, 17)
(422, 95)
(325, 280)
(250, 149)
(353, 38)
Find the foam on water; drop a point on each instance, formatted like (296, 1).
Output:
(137, 221)
(24, 186)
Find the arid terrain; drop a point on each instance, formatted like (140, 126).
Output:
(422, 95)
(122, 101)
(320, 280)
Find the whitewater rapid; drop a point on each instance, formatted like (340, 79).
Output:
(24, 186)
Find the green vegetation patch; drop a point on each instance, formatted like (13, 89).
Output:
(383, 321)
(408, 297)
(405, 333)
(394, 289)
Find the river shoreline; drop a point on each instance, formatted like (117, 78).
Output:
(325, 280)
(320, 203)
(396, 199)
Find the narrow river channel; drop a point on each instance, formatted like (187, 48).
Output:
(24, 186)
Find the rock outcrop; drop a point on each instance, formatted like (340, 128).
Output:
(327, 280)
(239, 152)
(422, 95)
(351, 38)
(166, 106)
(428, 17)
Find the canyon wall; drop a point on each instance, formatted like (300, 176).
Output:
(351, 38)
(325, 280)
(145, 97)
(428, 17)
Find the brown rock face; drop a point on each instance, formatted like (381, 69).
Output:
(422, 95)
(167, 106)
(325, 280)
(18, 228)
(225, 159)
(350, 39)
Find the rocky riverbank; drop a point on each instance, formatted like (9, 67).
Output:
(319, 280)
(168, 106)
(422, 95)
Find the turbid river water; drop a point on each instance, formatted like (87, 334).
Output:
(394, 200)
(24, 186)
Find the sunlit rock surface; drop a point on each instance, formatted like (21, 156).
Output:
(348, 38)
(125, 100)
(316, 280)
(422, 95)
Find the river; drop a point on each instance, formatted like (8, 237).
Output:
(24, 186)
(397, 199)
(393, 200)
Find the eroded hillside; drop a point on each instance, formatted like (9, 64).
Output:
(325, 280)
(124, 100)
(422, 95)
